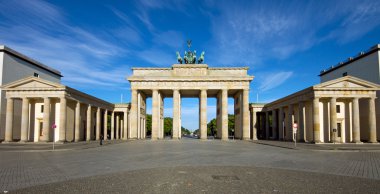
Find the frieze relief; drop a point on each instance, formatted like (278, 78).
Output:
(193, 85)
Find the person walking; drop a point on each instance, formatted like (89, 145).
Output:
(101, 140)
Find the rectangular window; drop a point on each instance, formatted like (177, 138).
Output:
(337, 108)
(344, 74)
(42, 108)
(36, 74)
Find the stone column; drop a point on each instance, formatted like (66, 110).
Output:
(347, 123)
(372, 121)
(105, 125)
(245, 127)
(274, 124)
(121, 128)
(254, 124)
(125, 137)
(176, 126)
(203, 114)
(289, 127)
(356, 121)
(333, 123)
(301, 124)
(155, 115)
(62, 119)
(46, 120)
(267, 125)
(117, 126)
(316, 121)
(281, 123)
(24, 119)
(224, 114)
(98, 123)
(112, 125)
(9, 121)
(77, 122)
(133, 115)
(89, 122)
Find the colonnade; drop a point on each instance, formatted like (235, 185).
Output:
(319, 121)
(84, 121)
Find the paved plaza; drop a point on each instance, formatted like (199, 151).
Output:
(187, 166)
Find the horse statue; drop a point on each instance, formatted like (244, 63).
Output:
(179, 58)
(201, 58)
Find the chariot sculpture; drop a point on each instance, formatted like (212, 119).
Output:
(190, 57)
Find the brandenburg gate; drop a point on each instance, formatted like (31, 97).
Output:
(189, 78)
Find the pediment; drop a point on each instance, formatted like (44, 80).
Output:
(348, 82)
(32, 83)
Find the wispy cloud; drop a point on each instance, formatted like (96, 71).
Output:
(269, 81)
(40, 30)
(249, 33)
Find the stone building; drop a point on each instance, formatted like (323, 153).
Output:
(36, 107)
(15, 66)
(343, 108)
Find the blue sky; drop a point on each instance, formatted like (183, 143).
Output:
(95, 43)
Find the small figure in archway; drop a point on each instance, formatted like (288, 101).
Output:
(101, 140)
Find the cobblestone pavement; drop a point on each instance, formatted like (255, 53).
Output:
(24, 169)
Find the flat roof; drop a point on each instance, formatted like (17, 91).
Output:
(373, 49)
(12, 52)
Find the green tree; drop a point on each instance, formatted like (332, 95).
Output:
(212, 129)
(148, 124)
(168, 126)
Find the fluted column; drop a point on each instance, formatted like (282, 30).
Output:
(24, 119)
(356, 121)
(333, 123)
(125, 137)
(77, 122)
(46, 120)
(245, 127)
(372, 121)
(155, 115)
(301, 124)
(117, 126)
(274, 124)
(203, 114)
(9, 121)
(62, 119)
(281, 124)
(254, 123)
(176, 112)
(134, 117)
(98, 123)
(89, 122)
(316, 121)
(267, 125)
(105, 127)
(112, 125)
(224, 114)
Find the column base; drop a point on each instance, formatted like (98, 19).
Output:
(7, 142)
(357, 142)
(246, 138)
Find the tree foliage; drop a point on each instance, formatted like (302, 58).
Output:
(168, 126)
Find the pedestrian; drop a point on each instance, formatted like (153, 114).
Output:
(101, 140)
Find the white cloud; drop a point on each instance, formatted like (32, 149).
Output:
(269, 81)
